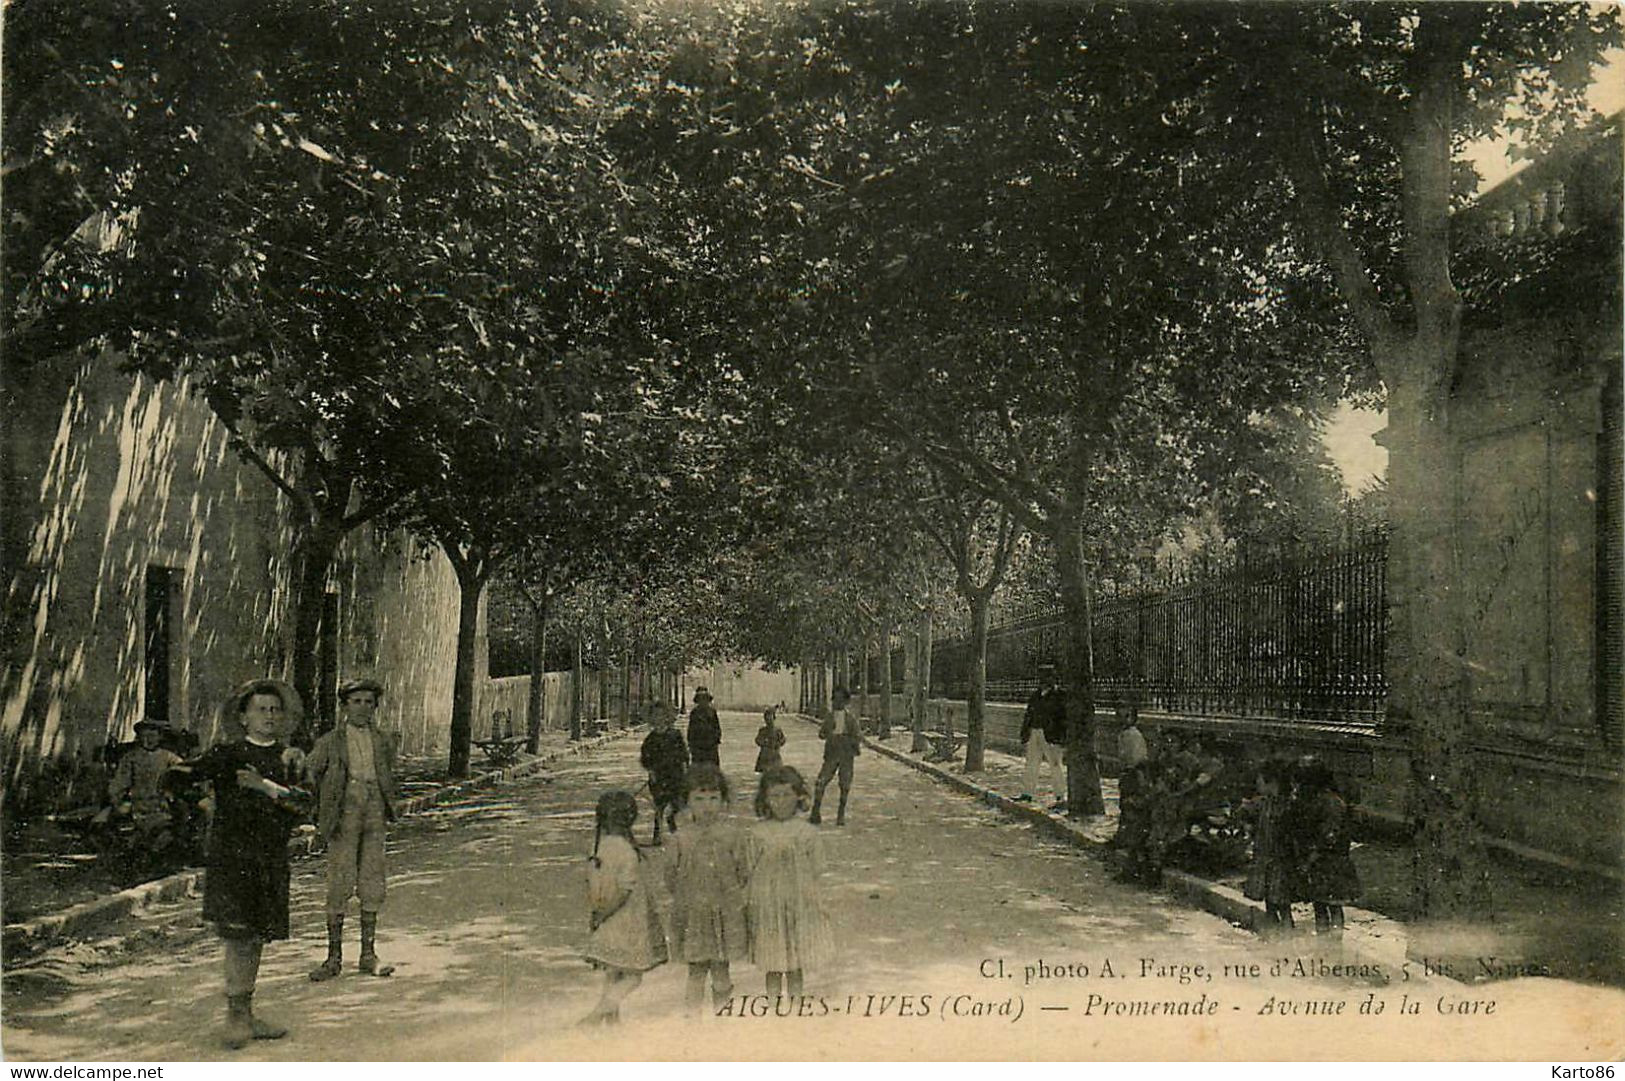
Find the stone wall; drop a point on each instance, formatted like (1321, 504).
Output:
(1567, 811)
(744, 686)
(511, 695)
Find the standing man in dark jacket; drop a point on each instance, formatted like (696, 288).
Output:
(1043, 734)
(704, 730)
(353, 770)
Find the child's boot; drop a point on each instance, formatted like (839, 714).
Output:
(335, 951)
(261, 1029)
(694, 996)
(369, 954)
(722, 988)
(840, 811)
(239, 1022)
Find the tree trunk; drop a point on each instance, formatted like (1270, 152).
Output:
(1082, 768)
(976, 708)
(577, 678)
(317, 544)
(470, 584)
(885, 683)
(863, 678)
(625, 712)
(1428, 688)
(922, 679)
(536, 700)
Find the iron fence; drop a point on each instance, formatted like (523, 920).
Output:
(1296, 636)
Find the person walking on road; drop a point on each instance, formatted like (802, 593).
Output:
(1043, 732)
(704, 730)
(770, 738)
(843, 741)
(352, 768)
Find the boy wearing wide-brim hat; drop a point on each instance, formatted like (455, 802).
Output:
(352, 769)
(245, 892)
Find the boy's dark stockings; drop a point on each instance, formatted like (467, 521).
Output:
(1278, 917)
(1328, 918)
(722, 987)
(242, 972)
(669, 812)
(776, 982)
(335, 951)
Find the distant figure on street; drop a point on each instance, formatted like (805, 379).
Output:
(1043, 733)
(770, 738)
(245, 892)
(843, 742)
(625, 936)
(704, 730)
(665, 756)
(352, 769)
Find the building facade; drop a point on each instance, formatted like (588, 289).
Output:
(148, 575)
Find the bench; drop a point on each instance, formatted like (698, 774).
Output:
(502, 751)
(944, 746)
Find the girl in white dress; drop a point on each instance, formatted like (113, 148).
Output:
(626, 938)
(790, 930)
(708, 870)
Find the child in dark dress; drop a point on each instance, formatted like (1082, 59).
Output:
(245, 893)
(1271, 878)
(665, 756)
(1320, 828)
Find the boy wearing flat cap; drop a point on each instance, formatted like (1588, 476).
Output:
(352, 769)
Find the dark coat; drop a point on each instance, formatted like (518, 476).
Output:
(665, 756)
(769, 740)
(704, 734)
(329, 769)
(1271, 877)
(245, 892)
(1046, 711)
(1320, 836)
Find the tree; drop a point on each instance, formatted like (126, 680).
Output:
(249, 203)
(1026, 250)
(1365, 111)
(978, 537)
